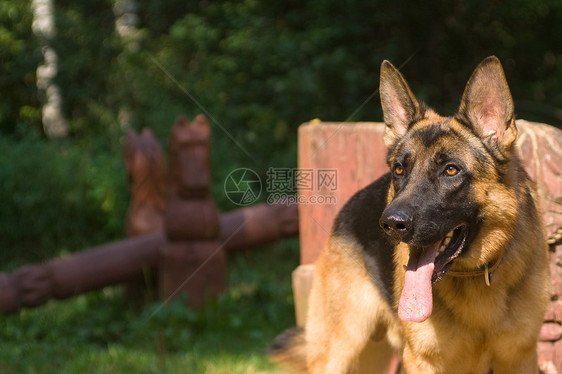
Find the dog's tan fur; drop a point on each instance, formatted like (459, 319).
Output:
(474, 328)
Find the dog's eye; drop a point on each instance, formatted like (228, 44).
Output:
(451, 170)
(398, 170)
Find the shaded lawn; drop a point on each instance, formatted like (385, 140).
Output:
(99, 333)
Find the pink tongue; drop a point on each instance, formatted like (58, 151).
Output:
(416, 302)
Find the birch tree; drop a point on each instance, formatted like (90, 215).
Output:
(43, 26)
(126, 26)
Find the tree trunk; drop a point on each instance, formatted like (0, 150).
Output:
(54, 123)
(126, 22)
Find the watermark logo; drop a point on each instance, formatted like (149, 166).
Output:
(284, 186)
(287, 180)
(243, 186)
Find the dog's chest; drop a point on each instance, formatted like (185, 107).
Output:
(447, 348)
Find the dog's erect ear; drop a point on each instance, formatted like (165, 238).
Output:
(399, 105)
(487, 104)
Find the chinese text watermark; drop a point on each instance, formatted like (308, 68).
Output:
(284, 185)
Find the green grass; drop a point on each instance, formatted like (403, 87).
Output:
(99, 333)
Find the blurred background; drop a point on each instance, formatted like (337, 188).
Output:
(76, 75)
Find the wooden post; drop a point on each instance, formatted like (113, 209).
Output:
(343, 157)
(193, 261)
(146, 174)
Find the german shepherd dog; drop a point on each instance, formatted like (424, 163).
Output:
(444, 258)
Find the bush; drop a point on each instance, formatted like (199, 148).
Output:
(57, 197)
(19, 105)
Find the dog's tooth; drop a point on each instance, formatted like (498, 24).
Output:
(450, 234)
(444, 243)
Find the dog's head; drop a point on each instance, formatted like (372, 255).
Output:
(449, 186)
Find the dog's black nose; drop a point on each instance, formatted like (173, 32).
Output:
(396, 224)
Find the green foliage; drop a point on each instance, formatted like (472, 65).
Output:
(57, 197)
(19, 57)
(261, 68)
(258, 75)
(85, 77)
(523, 34)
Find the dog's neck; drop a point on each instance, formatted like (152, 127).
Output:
(487, 271)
